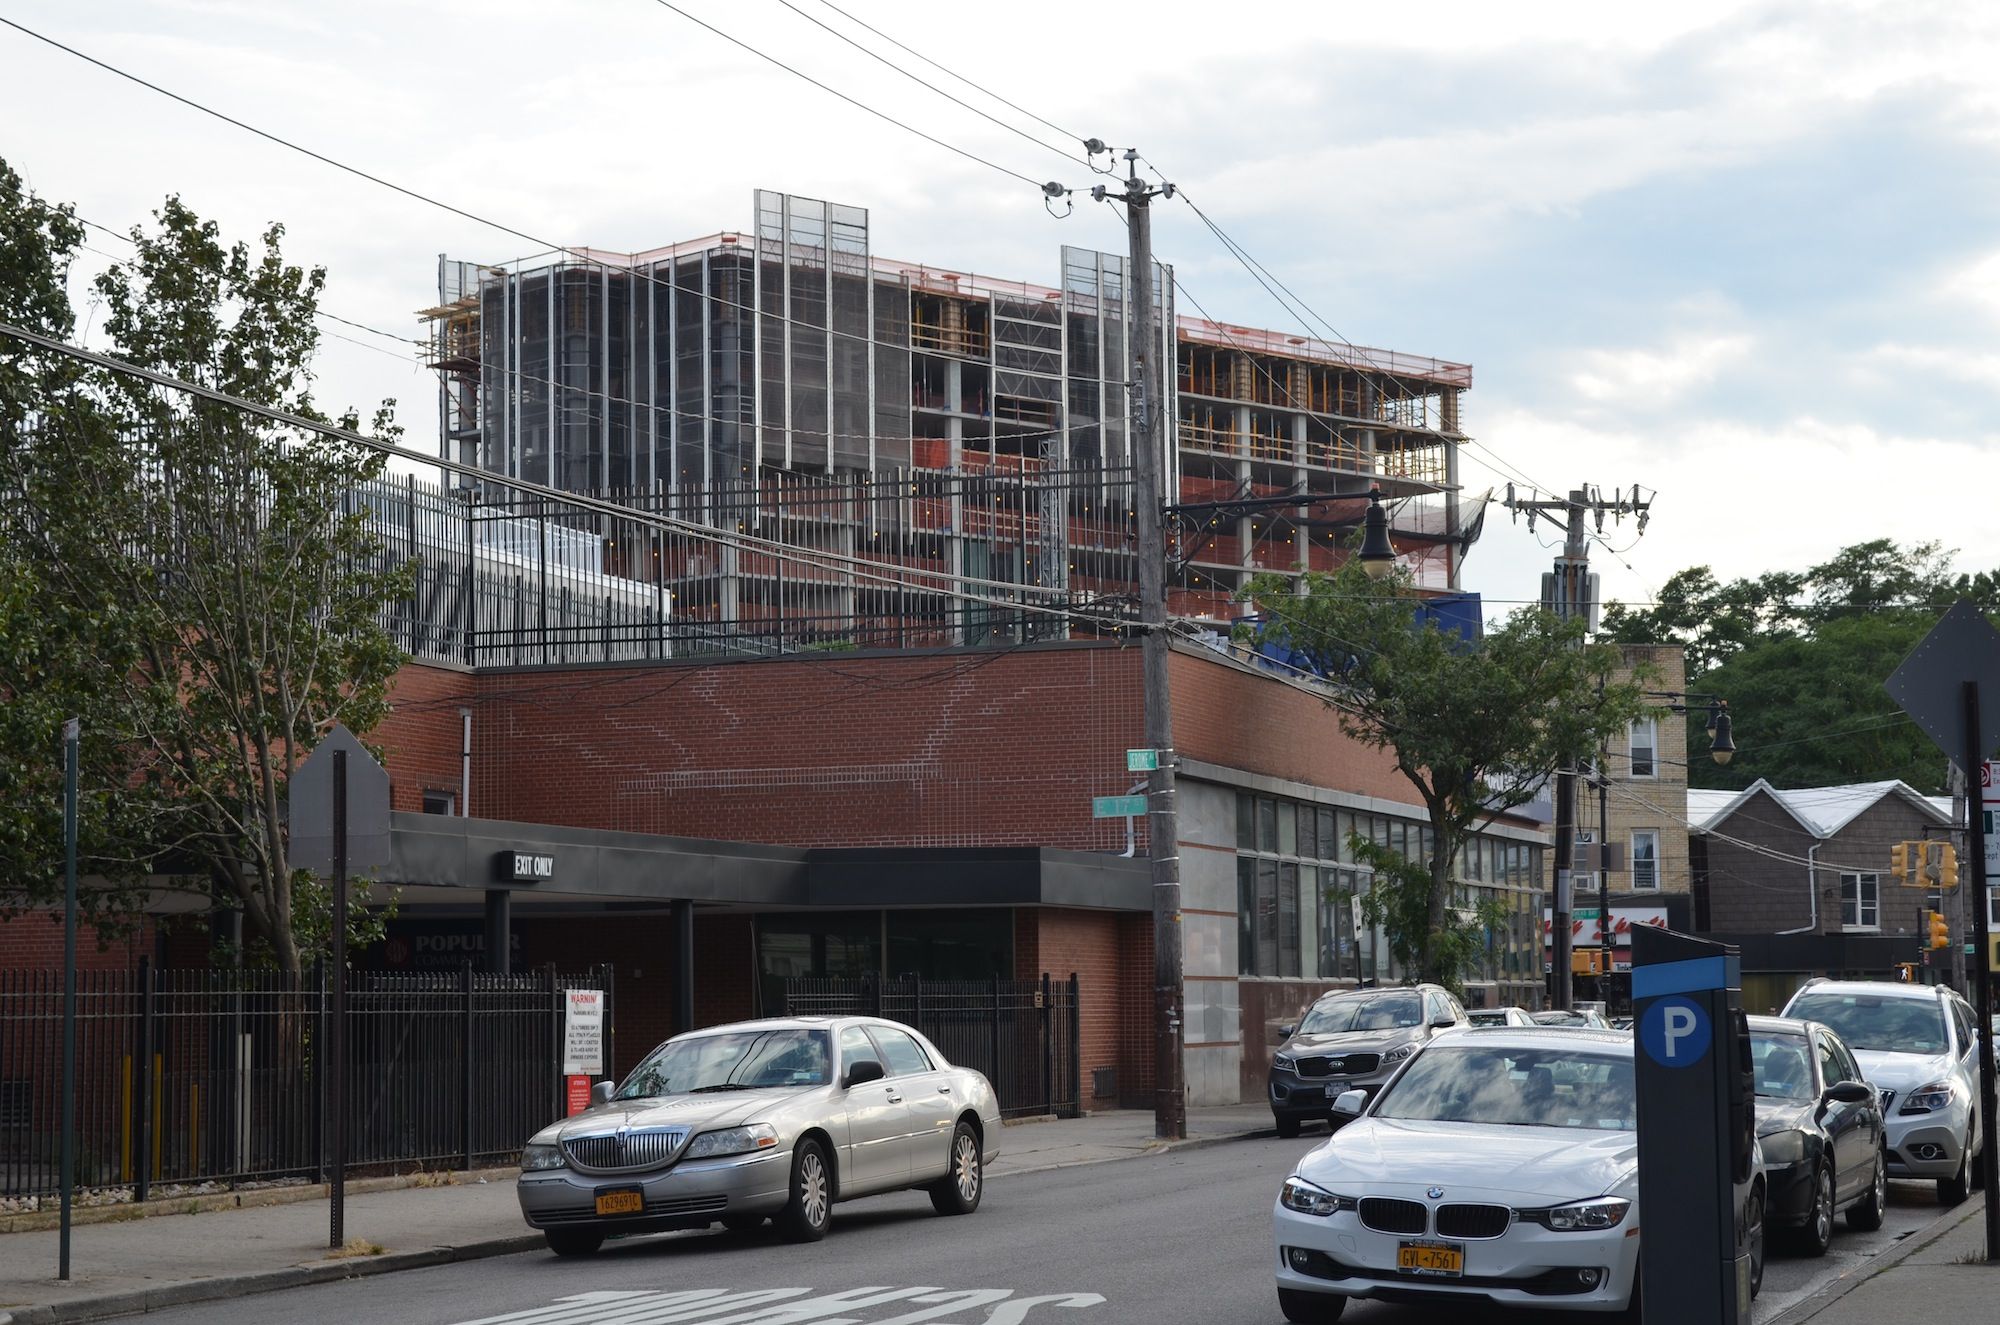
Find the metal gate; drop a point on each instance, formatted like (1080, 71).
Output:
(1023, 1034)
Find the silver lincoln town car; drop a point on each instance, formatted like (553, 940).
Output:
(777, 1118)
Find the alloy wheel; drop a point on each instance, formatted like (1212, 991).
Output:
(1823, 1207)
(965, 1167)
(812, 1188)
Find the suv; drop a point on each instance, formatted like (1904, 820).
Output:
(1353, 1039)
(1916, 1044)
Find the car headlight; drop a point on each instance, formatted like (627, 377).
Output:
(732, 1141)
(1582, 1216)
(1399, 1053)
(1927, 1099)
(1284, 1062)
(1309, 1199)
(1782, 1148)
(535, 1158)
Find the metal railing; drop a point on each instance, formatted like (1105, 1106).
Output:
(216, 1075)
(1023, 1034)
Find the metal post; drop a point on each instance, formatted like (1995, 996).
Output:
(1076, 1041)
(558, 1103)
(1048, 1049)
(1982, 976)
(337, 1037)
(1163, 815)
(1565, 826)
(143, 1177)
(465, 1082)
(499, 929)
(994, 1075)
(683, 967)
(67, 1168)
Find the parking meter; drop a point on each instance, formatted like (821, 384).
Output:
(1697, 1127)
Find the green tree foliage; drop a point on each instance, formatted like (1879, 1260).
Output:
(1398, 902)
(1476, 728)
(1801, 657)
(216, 594)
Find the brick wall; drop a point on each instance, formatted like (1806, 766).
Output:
(1229, 715)
(1750, 893)
(1111, 954)
(420, 738)
(33, 941)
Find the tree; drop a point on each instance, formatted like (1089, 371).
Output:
(223, 591)
(1477, 727)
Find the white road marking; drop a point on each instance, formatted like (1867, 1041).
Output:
(794, 1306)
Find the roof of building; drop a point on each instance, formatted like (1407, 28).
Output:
(1821, 811)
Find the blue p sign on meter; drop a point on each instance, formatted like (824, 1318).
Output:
(1675, 1032)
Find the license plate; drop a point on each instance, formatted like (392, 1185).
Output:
(1430, 1258)
(625, 1201)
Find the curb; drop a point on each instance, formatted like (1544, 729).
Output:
(1880, 1263)
(274, 1281)
(266, 1281)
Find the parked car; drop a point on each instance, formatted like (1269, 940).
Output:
(779, 1118)
(1352, 1039)
(1821, 1129)
(1582, 1020)
(1501, 1164)
(1498, 1017)
(1916, 1046)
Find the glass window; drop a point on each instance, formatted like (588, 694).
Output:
(735, 1060)
(1426, 843)
(1829, 1062)
(901, 1054)
(1780, 1066)
(1246, 916)
(1961, 1020)
(1368, 1010)
(1267, 824)
(1516, 1087)
(1308, 833)
(1267, 917)
(975, 943)
(1246, 821)
(1288, 921)
(1288, 828)
(855, 1046)
(1860, 901)
(1645, 739)
(1895, 1024)
(1329, 838)
(1645, 859)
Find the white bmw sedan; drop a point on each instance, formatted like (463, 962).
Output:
(1501, 1164)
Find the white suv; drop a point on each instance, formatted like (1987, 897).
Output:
(1917, 1046)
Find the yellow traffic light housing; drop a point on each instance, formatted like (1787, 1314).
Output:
(1906, 972)
(1899, 863)
(1940, 932)
(1948, 871)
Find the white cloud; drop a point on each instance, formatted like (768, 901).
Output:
(1650, 378)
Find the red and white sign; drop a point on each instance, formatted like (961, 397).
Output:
(1591, 929)
(576, 1092)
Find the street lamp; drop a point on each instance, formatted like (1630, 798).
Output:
(1378, 554)
(1721, 741)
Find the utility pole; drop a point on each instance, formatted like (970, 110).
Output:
(1952, 893)
(1570, 591)
(1162, 813)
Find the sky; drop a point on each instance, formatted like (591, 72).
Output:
(1742, 255)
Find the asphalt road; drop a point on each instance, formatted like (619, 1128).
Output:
(1180, 1238)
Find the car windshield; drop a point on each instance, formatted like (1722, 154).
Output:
(1783, 1070)
(1366, 1012)
(1561, 1019)
(1487, 1018)
(1514, 1087)
(1870, 1021)
(733, 1060)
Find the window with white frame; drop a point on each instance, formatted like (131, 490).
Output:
(1645, 859)
(1860, 901)
(1645, 746)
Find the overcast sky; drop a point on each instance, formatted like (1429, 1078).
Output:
(1743, 254)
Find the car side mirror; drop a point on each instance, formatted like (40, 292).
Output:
(601, 1092)
(1350, 1103)
(1444, 1022)
(1850, 1092)
(1286, 1032)
(862, 1071)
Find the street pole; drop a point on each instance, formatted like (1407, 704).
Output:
(1565, 833)
(67, 1174)
(1957, 890)
(337, 1031)
(1982, 976)
(1162, 814)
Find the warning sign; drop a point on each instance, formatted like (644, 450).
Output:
(583, 1033)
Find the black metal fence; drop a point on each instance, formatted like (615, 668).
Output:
(1023, 1034)
(216, 1075)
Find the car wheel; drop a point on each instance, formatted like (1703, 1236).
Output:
(573, 1241)
(1817, 1233)
(1288, 1128)
(743, 1223)
(1866, 1215)
(1753, 1220)
(810, 1209)
(1953, 1190)
(959, 1190)
(1310, 1308)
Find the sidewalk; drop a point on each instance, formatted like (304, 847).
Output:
(1938, 1274)
(169, 1259)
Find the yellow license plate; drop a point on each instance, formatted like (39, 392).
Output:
(621, 1203)
(1429, 1258)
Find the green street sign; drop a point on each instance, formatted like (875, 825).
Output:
(1141, 761)
(1972, 950)
(1116, 807)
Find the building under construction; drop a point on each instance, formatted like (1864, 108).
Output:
(792, 383)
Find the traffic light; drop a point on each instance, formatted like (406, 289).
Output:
(1899, 863)
(1940, 933)
(1906, 972)
(1948, 871)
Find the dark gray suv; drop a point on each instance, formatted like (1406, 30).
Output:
(1353, 1039)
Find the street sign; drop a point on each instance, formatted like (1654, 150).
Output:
(1116, 807)
(311, 797)
(1141, 761)
(1675, 1032)
(1963, 646)
(1989, 807)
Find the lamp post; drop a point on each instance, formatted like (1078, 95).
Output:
(1721, 739)
(1378, 554)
